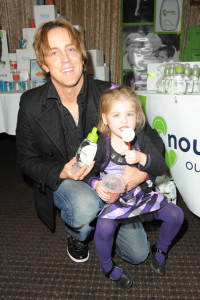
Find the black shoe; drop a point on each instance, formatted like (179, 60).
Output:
(125, 281)
(157, 266)
(78, 251)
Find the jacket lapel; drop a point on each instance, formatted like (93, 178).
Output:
(51, 124)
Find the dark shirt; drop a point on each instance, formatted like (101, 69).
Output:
(73, 133)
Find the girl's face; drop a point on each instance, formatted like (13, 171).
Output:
(122, 115)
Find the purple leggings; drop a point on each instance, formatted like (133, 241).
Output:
(171, 215)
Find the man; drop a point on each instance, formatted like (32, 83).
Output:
(53, 119)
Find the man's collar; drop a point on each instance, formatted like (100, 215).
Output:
(51, 92)
(83, 89)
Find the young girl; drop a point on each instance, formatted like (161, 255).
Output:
(120, 109)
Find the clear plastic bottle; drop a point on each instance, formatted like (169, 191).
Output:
(86, 151)
(170, 79)
(179, 84)
(195, 78)
(188, 79)
(162, 88)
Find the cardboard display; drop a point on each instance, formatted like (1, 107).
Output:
(44, 13)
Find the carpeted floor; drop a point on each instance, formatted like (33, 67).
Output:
(34, 263)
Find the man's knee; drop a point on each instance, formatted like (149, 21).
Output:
(132, 244)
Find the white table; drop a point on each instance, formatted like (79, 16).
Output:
(176, 118)
(9, 106)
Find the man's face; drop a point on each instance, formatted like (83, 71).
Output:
(63, 61)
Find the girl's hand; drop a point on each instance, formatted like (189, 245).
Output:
(134, 157)
(131, 157)
(102, 193)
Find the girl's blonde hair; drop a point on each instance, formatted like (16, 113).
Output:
(122, 93)
(41, 44)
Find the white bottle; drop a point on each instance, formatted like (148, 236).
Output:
(169, 15)
(188, 79)
(179, 84)
(86, 151)
(195, 78)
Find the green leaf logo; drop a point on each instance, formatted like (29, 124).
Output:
(164, 12)
(170, 158)
(160, 125)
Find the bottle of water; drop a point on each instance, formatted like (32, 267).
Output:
(188, 79)
(170, 79)
(161, 87)
(195, 78)
(179, 84)
(86, 151)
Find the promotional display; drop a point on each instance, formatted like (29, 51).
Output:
(151, 34)
(168, 15)
(173, 117)
(5, 74)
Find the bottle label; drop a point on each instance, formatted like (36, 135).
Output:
(179, 86)
(86, 153)
(189, 86)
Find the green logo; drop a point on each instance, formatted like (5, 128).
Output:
(170, 158)
(160, 125)
(164, 12)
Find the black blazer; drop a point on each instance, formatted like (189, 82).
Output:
(41, 148)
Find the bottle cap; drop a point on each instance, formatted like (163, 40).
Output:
(93, 136)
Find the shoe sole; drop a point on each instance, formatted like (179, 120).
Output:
(78, 260)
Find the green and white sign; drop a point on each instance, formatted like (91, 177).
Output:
(176, 119)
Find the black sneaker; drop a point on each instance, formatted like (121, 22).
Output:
(78, 251)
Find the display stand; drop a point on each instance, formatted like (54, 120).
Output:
(176, 118)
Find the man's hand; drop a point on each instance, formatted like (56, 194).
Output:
(133, 177)
(67, 172)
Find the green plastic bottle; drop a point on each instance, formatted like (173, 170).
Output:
(86, 151)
